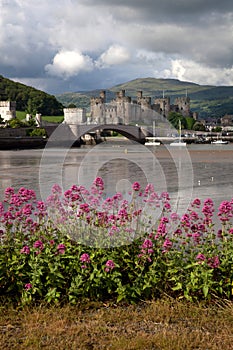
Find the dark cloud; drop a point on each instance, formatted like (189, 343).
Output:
(69, 45)
(167, 9)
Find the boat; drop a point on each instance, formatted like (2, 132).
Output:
(179, 142)
(152, 141)
(219, 142)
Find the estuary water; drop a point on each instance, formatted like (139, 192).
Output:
(198, 171)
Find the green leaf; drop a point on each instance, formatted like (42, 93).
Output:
(205, 289)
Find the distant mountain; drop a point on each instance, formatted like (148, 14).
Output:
(29, 99)
(207, 100)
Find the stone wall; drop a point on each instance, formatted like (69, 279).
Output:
(75, 115)
(10, 132)
(124, 110)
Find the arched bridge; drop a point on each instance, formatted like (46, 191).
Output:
(73, 132)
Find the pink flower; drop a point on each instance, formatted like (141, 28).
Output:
(9, 191)
(85, 258)
(225, 211)
(174, 216)
(61, 248)
(56, 189)
(167, 206)
(41, 206)
(136, 186)
(113, 230)
(84, 208)
(98, 182)
(26, 194)
(196, 237)
(162, 230)
(213, 262)
(196, 203)
(219, 234)
(27, 209)
(185, 220)
(194, 215)
(109, 265)
(165, 195)
(122, 214)
(167, 244)
(147, 244)
(164, 220)
(1, 209)
(25, 250)
(28, 286)
(209, 202)
(200, 257)
(149, 188)
(38, 244)
(178, 232)
(201, 227)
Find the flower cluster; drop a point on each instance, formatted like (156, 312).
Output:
(83, 244)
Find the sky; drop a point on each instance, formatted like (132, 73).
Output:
(63, 46)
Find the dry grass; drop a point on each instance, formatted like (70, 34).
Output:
(154, 325)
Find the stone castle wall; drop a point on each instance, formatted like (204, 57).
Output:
(124, 110)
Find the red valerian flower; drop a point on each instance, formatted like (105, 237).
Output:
(85, 258)
(25, 250)
(61, 248)
(109, 265)
(28, 286)
(136, 186)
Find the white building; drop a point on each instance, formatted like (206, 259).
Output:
(7, 110)
(75, 115)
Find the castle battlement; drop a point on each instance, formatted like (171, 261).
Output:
(124, 110)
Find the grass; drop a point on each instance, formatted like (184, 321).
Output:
(159, 325)
(52, 119)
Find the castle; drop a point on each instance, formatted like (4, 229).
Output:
(7, 110)
(124, 110)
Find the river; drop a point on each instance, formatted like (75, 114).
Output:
(198, 171)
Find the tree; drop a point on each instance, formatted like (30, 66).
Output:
(174, 118)
(217, 129)
(199, 127)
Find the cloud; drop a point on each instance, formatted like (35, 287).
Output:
(78, 45)
(191, 71)
(115, 55)
(69, 63)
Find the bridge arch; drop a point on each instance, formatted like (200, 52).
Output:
(132, 132)
(68, 134)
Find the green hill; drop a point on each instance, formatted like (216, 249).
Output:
(207, 100)
(29, 99)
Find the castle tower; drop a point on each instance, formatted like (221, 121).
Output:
(164, 105)
(183, 104)
(121, 94)
(103, 96)
(98, 108)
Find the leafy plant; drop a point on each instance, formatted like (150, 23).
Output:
(81, 245)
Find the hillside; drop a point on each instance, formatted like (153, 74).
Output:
(29, 99)
(207, 100)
